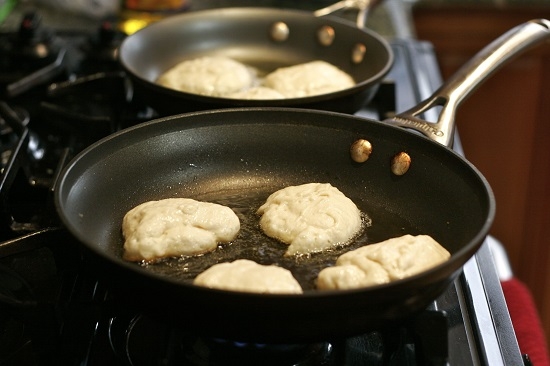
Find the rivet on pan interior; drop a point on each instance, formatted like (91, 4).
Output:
(358, 53)
(360, 150)
(325, 35)
(400, 163)
(279, 31)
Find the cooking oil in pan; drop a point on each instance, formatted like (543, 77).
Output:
(253, 244)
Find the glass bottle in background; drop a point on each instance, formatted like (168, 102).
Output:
(136, 14)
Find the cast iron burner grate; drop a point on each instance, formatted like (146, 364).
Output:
(66, 317)
(405, 345)
(137, 339)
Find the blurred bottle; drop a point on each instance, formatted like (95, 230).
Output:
(136, 14)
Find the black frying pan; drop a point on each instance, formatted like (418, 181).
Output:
(255, 36)
(238, 157)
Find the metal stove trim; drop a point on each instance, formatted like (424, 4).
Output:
(494, 331)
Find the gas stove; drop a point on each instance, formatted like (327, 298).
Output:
(63, 90)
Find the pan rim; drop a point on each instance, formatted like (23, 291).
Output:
(464, 253)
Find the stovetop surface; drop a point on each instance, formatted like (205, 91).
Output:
(54, 305)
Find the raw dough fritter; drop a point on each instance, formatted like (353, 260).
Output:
(248, 276)
(210, 75)
(307, 79)
(219, 76)
(390, 260)
(310, 218)
(176, 227)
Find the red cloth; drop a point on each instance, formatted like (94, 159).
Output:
(526, 321)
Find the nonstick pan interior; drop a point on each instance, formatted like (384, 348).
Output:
(238, 157)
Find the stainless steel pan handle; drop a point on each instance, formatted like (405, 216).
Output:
(468, 78)
(363, 7)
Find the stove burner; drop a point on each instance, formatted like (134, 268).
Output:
(95, 105)
(30, 57)
(137, 339)
(205, 351)
(140, 340)
(103, 47)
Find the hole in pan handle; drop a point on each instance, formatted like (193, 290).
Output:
(471, 75)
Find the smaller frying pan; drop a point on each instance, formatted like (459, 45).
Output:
(238, 156)
(264, 38)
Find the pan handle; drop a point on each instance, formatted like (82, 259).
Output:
(363, 7)
(468, 78)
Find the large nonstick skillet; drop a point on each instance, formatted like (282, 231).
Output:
(237, 157)
(264, 38)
